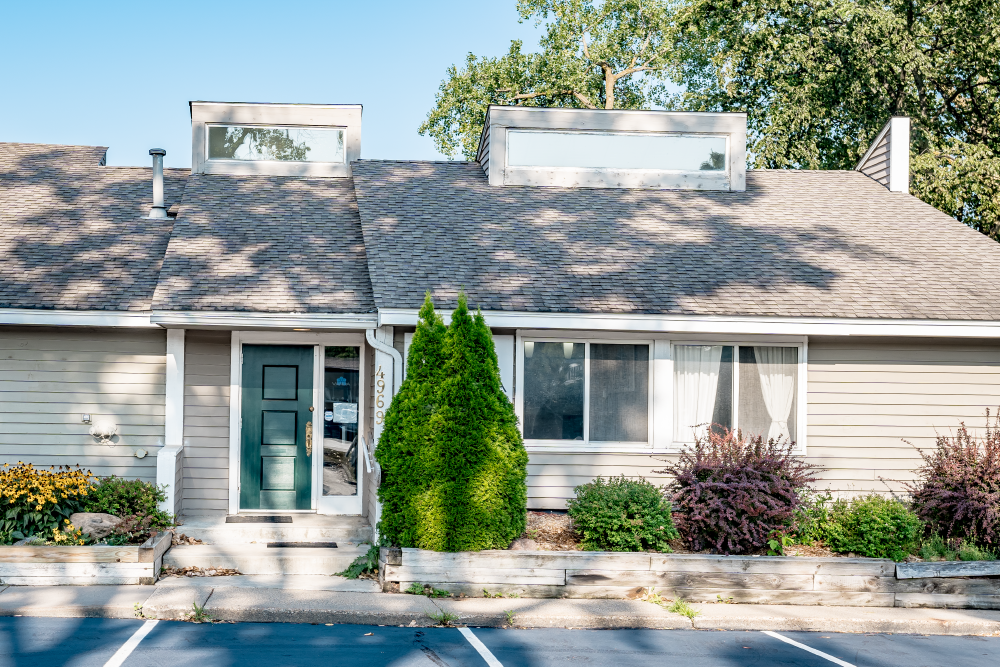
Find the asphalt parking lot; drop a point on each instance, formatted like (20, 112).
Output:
(85, 642)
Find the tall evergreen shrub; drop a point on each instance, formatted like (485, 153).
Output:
(406, 440)
(456, 464)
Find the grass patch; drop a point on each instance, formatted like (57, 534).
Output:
(681, 607)
(443, 617)
(426, 589)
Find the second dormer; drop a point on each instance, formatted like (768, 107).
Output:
(613, 148)
(275, 139)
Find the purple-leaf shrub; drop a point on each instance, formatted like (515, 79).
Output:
(958, 487)
(731, 492)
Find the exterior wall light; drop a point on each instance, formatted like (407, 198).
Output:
(104, 431)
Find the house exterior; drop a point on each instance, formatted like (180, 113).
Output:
(240, 338)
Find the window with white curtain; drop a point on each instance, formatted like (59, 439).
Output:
(752, 388)
(590, 392)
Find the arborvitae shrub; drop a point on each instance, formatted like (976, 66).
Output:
(454, 458)
(873, 526)
(730, 492)
(406, 439)
(958, 487)
(622, 514)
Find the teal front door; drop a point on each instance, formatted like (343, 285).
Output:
(277, 409)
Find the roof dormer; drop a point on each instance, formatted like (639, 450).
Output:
(276, 139)
(613, 148)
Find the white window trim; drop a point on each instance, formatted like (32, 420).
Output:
(801, 396)
(573, 446)
(351, 505)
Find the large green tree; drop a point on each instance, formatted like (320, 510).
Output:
(819, 78)
(607, 54)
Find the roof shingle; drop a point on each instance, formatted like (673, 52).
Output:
(73, 234)
(794, 244)
(282, 244)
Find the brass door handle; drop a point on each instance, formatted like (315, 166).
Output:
(309, 438)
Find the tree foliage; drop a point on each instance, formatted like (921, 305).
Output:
(593, 54)
(454, 465)
(819, 78)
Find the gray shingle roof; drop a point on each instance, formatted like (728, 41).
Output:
(73, 234)
(796, 243)
(266, 244)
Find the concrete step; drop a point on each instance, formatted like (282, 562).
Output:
(259, 559)
(285, 582)
(304, 528)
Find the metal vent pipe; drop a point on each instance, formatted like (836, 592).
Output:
(158, 210)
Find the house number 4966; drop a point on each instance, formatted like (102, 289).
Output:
(379, 395)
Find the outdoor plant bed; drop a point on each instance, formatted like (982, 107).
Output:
(838, 581)
(30, 565)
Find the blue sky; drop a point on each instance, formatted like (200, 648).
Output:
(121, 74)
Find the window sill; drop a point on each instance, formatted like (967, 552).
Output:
(580, 447)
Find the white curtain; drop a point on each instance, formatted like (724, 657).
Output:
(696, 382)
(777, 367)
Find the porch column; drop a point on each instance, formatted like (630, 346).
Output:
(169, 462)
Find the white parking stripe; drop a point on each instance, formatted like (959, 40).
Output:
(829, 657)
(126, 650)
(481, 647)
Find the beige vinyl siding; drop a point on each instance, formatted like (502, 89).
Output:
(50, 377)
(553, 476)
(206, 422)
(866, 395)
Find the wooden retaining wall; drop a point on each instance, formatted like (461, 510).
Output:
(82, 566)
(694, 577)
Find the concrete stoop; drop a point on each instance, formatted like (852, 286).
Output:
(259, 559)
(245, 546)
(304, 528)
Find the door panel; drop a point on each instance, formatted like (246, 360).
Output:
(275, 468)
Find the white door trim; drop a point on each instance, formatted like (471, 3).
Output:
(330, 505)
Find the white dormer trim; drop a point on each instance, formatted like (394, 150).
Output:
(492, 153)
(205, 114)
(887, 161)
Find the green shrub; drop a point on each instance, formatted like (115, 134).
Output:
(873, 526)
(129, 498)
(812, 517)
(938, 548)
(622, 515)
(454, 465)
(38, 502)
(406, 438)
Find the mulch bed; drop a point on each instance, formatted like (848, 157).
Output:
(195, 571)
(552, 530)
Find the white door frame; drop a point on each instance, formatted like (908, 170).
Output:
(319, 504)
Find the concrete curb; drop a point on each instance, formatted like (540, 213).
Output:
(561, 613)
(894, 620)
(74, 601)
(295, 606)
(175, 603)
(271, 605)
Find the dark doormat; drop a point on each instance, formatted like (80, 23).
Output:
(305, 545)
(266, 518)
